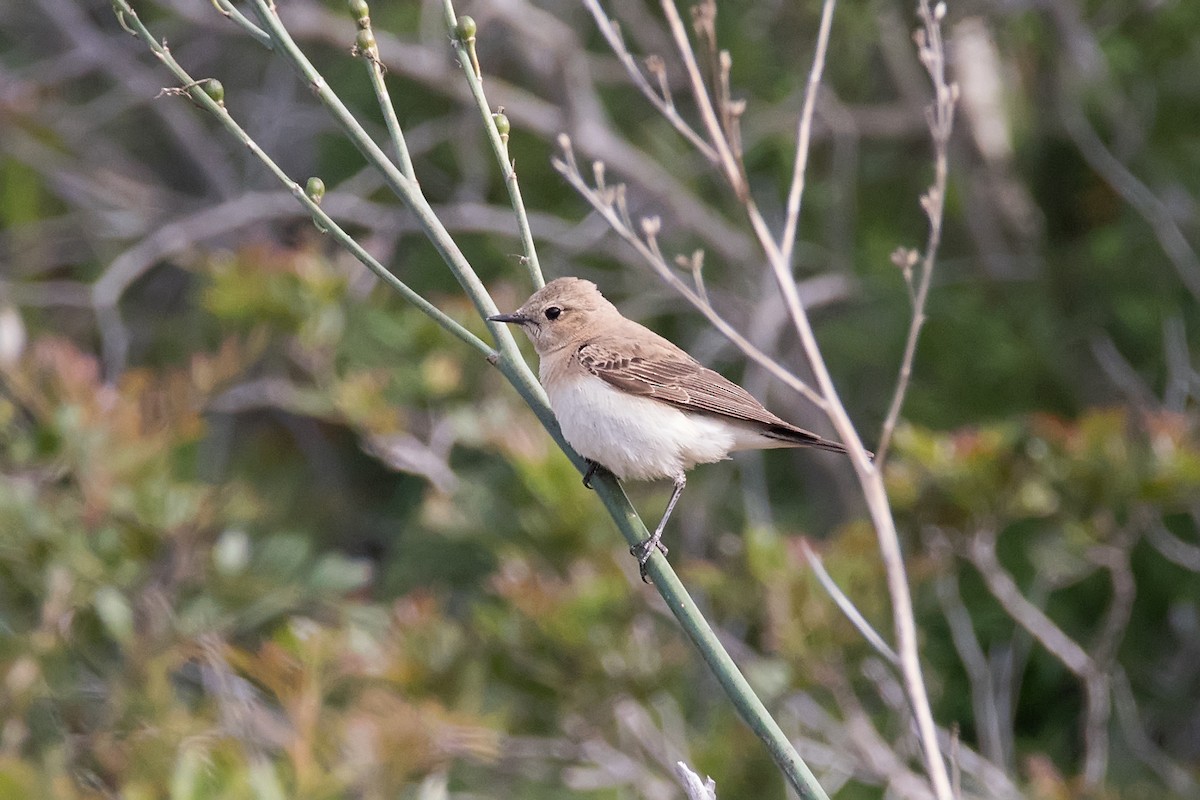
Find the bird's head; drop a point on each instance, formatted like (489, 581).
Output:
(560, 313)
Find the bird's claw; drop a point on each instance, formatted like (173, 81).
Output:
(642, 550)
(593, 468)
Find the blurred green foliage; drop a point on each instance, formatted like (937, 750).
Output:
(162, 630)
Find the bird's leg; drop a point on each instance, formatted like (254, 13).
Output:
(593, 468)
(642, 550)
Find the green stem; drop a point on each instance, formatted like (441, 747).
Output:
(393, 124)
(407, 190)
(228, 10)
(195, 91)
(728, 675)
(499, 149)
(395, 133)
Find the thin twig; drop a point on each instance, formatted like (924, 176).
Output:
(47, 294)
(940, 116)
(1181, 375)
(874, 751)
(1096, 686)
(704, 103)
(695, 788)
(1121, 373)
(1122, 180)
(366, 48)
(106, 55)
(787, 240)
(1171, 547)
(1141, 744)
(499, 145)
(526, 111)
(982, 553)
(846, 605)
(230, 11)
(407, 190)
(875, 494)
(107, 291)
(660, 99)
(994, 742)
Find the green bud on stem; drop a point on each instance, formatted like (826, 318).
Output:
(359, 10)
(500, 120)
(315, 189)
(365, 42)
(215, 90)
(464, 31)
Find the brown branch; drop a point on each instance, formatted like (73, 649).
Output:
(1097, 690)
(940, 116)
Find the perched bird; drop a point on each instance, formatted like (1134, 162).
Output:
(634, 404)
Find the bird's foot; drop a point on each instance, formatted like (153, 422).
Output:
(642, 550)
(593, 468)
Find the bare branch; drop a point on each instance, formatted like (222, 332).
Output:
(1183, 381)
(940, 116)
(847, 605)
(787, 240)
(1135, 192)
(661, 99)
(1121, 373)
(704, 103)
(994, 738)
(1171, 547)
(1140, 743)
(1097, 690)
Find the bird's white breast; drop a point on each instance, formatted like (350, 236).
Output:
(636, 437)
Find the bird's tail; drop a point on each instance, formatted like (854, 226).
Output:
(802, 438)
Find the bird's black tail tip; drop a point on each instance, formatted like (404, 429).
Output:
(806, 439)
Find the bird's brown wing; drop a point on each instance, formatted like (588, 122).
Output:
(663, 372)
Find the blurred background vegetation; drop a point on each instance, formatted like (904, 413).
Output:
(266, 532)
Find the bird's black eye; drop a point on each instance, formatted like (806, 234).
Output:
(552, 312)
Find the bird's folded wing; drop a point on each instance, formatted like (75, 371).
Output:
(674, 378)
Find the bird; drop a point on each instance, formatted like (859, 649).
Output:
(633, 403)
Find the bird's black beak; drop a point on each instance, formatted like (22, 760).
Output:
(514, 318)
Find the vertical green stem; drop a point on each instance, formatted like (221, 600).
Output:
(464, 50)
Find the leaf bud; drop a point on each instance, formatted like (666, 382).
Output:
(464, 29)
(315, 189)
(359, 10)
(214, 90)
(365, 41)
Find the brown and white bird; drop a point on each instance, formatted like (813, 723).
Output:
(632, 402)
